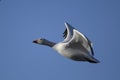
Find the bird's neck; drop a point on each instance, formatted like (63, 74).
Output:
(49, 43)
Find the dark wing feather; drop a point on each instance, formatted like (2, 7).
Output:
(65, 34)
(68, 31)
(90, 44)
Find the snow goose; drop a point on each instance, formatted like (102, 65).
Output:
(75, 46)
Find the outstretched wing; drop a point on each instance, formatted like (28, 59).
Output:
(80, 41)
(68, 33)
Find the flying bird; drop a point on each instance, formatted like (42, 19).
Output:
(75, 45)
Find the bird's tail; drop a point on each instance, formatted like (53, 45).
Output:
(93, 60)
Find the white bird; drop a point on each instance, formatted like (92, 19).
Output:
(75, 46)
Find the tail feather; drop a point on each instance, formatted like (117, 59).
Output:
(93, 60)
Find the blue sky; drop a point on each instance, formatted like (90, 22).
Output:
(22, 21)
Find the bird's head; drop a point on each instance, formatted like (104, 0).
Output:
(40, 41)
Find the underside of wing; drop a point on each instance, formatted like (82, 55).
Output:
(90, 46)
(80, 41)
